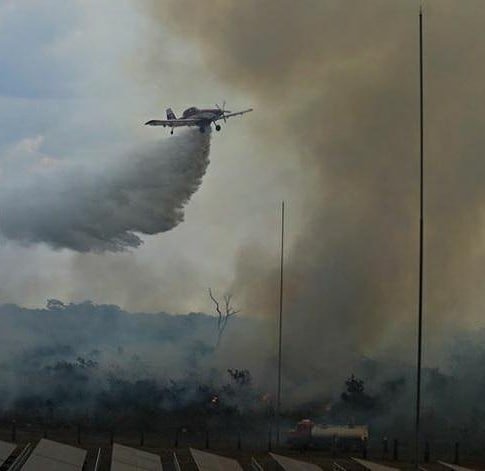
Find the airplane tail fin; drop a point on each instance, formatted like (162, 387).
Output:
(170, 114)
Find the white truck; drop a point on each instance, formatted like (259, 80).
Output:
(308, 434)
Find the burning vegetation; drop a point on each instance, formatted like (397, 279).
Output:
(102, 367)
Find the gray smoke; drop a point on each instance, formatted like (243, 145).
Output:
(342, 77)
(102, 207)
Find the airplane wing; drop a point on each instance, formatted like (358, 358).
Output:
(172, 122)
(238, 113)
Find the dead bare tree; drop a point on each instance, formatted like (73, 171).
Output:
(224, 311)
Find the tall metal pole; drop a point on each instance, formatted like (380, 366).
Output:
(280, 325)
(421, 239)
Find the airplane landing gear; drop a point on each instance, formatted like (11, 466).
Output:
(171, 131)
(218, 127)
(202, 129)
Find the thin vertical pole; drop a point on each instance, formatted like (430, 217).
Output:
(421, 240)
(280, 325)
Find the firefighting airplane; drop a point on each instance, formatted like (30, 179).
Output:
(203, 118)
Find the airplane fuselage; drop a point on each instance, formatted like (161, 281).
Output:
(203, 117)
(207, 114)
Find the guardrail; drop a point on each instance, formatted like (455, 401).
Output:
(21, 459)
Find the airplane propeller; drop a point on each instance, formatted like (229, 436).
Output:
(223, 109)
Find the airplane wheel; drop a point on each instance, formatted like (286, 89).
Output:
(202, 129)
(218, 127)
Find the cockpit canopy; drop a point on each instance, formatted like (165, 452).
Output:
(190, 112)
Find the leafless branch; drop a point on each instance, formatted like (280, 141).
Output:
(223, 314)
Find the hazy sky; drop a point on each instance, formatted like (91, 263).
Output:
(334, 133)
(79, 84)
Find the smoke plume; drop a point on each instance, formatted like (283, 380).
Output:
(103, 206)
(342, 77)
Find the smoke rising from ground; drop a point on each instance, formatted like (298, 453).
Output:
(102, 207)
(110, 367)
(342, 76)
